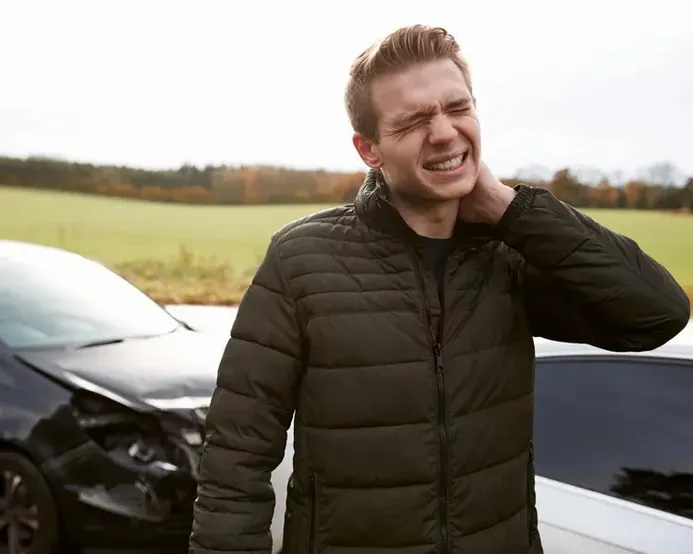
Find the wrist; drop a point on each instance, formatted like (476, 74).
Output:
(523, 199)
(499, 202)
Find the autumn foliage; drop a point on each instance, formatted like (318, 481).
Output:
(276, 185)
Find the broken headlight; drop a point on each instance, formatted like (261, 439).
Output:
(136, 440)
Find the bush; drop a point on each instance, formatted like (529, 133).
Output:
(187, 280)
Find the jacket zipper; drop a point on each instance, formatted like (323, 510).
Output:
(311, 523)
(437, 351)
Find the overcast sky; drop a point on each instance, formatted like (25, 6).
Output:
(150, 83)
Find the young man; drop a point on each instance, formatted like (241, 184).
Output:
(399, 331)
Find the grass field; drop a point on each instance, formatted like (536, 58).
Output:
(144, 237)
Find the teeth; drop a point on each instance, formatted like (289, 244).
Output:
(448, 165)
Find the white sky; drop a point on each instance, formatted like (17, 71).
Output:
(605, 83)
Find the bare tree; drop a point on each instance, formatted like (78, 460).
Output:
(663, 174)
(535, 173)
(589, 175)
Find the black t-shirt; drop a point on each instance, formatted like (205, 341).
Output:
(435, 253)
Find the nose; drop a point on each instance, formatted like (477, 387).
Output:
(441, 130)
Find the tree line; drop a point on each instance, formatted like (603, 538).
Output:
(656, 188)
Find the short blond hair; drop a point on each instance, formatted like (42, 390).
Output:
(398, 51)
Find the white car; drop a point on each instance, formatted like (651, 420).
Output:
(613, 449)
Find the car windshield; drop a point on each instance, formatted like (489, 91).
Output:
(55, 298)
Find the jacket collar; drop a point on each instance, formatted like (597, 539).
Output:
(375, 209)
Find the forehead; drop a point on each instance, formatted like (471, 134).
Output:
(420, 88)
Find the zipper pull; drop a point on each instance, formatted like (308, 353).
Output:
(438, 351)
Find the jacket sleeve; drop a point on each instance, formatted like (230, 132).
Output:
(583, 283)
(248, 419)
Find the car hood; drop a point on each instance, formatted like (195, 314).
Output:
(173, 371)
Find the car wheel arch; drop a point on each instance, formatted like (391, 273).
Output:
(12, 453)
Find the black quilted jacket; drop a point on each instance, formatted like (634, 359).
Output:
(407, 441)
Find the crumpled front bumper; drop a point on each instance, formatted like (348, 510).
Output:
(105, 503)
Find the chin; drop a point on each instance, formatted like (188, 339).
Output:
(448, 189)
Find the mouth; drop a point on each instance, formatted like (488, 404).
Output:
(449, 164)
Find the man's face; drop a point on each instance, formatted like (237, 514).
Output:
(429, 136)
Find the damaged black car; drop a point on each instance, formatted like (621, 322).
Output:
(103, 395)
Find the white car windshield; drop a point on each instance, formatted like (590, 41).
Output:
(54, 298)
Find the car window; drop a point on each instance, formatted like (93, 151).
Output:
(56, 298)
(621, 428)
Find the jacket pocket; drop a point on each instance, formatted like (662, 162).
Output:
(312, 519)
(300, 517)
(530, 494)
(290, 544)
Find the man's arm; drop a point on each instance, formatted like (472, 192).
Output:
(248, 419)
(584, 283)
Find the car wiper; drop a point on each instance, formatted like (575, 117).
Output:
(102, 342)
(116, 340)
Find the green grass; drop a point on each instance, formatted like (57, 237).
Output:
(119, 231)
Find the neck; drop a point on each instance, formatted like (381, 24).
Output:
(434, 220)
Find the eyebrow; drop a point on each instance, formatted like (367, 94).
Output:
(403, 120)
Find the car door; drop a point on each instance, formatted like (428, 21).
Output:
(614, 455)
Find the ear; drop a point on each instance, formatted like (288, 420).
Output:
(368, 151)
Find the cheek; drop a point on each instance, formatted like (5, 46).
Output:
(471, 130)
(408, 149)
